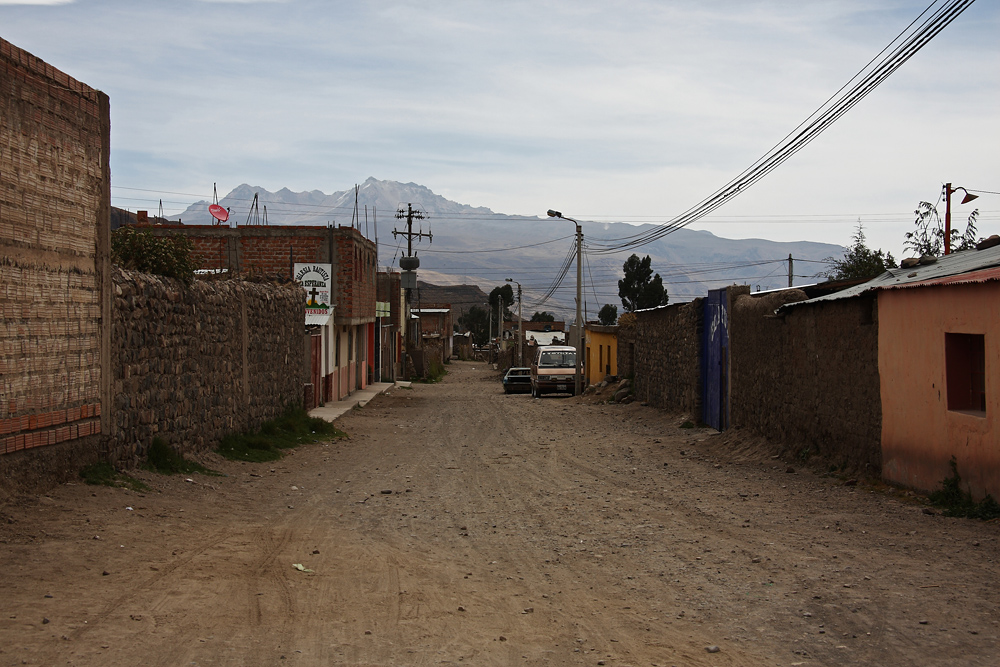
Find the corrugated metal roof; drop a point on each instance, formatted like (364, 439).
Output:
(955, 265)
(981, 276)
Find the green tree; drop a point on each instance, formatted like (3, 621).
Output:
(504, 294)
(608, 314)
(860, 261)
(640, 288)
(139, 250)
(544, 316)
(928, 236)
(476, 320)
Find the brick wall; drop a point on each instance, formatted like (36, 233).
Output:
(356, 271)
(809, 379)
(661, 350)
(192, 364)
(270, 251)
(54, 211)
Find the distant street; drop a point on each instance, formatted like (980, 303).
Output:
(459, 525)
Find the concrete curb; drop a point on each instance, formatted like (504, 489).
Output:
(361, 397)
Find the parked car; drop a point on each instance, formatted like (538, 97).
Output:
(517, 380)
(553, 370)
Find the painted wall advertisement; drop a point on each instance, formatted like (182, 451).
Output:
(316, 280)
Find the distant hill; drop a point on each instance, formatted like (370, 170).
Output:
(461, 297)
(476, 246)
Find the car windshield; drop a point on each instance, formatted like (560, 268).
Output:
(558, 359)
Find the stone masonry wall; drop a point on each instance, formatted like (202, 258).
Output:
(54, 211)
(192, 364)
(809, 379)
(662, 354)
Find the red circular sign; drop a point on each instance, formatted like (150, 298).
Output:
(218, 212)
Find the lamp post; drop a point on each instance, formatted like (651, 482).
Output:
(520, 324)
(947, 212)
(579, 299)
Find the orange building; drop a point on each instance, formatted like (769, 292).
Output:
(939, 365)
(601, 356)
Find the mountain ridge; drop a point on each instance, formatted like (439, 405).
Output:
(475, 245)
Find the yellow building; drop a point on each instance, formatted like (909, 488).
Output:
(601, 352)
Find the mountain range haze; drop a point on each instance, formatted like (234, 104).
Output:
(475, 245)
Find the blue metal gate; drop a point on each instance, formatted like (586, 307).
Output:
(715, 361)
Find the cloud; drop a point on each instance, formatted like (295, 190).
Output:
(603, 109)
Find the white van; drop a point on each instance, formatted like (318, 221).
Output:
(553, 370)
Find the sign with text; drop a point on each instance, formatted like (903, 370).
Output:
(316, 280)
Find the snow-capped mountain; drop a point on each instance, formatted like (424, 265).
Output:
(474, 245)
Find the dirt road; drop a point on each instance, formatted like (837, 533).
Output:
(461, 525)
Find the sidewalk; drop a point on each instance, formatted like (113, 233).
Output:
(334, 409)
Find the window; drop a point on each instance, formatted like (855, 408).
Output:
(557, 359)
(965, 358)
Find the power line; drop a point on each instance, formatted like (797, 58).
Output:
(908, 43)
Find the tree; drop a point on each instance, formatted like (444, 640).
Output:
(928, 237)
(139, 250)
(608, 314)
(504, 294)
(476, 320)
(544, 316)
(640, 288)
(859, 261)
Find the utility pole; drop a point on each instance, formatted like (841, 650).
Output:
(409, 264)
(499, 324)
(577, 390)
(948, 192)
(410, 215)
(520, 324)
(789, 269)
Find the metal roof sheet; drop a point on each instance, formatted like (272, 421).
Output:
(981, 276)
(955, 265)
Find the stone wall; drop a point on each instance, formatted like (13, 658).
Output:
(809, 379)
(661, 352)
(54, 211)
(192, 364)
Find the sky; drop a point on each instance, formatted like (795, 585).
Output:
(605, 110)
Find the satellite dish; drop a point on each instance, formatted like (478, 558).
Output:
(218, 212)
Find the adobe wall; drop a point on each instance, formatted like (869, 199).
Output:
(661, 352)
(192, 364)
(54, 212)
(809, 380)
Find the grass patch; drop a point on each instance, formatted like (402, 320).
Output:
(955, 502)
(688, 424)
(104, 474)
(291, 429)
(162, 458)
(435, 372)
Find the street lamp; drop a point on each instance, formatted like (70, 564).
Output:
(947, 212)
(520, 324)
(579, 298)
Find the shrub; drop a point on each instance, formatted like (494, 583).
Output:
(955, 502)
(162, 458)
(104, 474)
(138, 249)
(293, 428)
